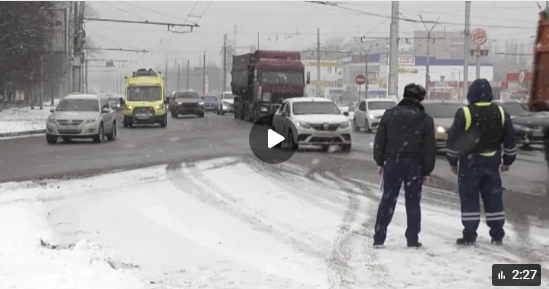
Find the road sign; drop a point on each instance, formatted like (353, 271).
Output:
(360, 79)
(479, 52)
(479, 36)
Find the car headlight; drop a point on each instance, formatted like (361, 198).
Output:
(160, 106)
(263, 109)
(344, 124)
(440, 129)
(92, 120)
(371, 115)
(129, 107)
(201, 103)
(225, 107)
(180, 103)
(303, 124)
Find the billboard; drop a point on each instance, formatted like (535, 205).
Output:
(59, 34)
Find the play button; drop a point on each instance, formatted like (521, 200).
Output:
(269, 145)
(273, 138)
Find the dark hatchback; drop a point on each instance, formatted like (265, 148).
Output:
(210, 102)
(528, 125)
(186, 103)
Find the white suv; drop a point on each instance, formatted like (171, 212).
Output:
(368, 113)
(225, 103)
(312, 121)
(81, 116)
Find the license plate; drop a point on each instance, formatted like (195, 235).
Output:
(142, 116)
(69, 127)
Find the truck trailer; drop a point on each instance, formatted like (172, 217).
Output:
(262, 80)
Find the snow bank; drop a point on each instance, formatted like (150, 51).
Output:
(23, 119)
(25, 262)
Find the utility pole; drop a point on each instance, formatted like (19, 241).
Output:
(204, 73)
(257, 41)
(393, 50)
(188, 72)
(467, 46)
(367, 55)
(178, 76)
(78, 45)
(86, 71)
(224, 76)
(318, 62)
(429, 41)
(166, 75)
(42, 82)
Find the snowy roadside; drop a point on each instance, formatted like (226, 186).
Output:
(23, 121)
(29, 261)
(235, 223)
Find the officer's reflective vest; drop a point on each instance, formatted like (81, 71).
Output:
(468, 119)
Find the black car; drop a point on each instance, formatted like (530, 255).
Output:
(115, 103)
(528, 125)
(186, 103)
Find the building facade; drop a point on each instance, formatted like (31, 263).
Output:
(330, 75)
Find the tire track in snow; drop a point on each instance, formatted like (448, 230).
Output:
(221, 200)
(523, 252)
(348, 240)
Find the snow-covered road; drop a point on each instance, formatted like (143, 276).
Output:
(233, 223)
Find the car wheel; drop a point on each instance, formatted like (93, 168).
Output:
(200, 115)
(367, 126)
(291, 143)
(112, 136)
(222, 112)
(100, 136)
(355, 125)
(67, 139)
(346, 148)
(217, 111)
(164, 121)
(50, 139)
(174, 114)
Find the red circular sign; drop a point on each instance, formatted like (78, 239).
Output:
(360, 79)
(479, 36)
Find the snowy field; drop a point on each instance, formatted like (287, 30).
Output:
(14, 120)
(231, 223)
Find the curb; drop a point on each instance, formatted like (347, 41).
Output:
(22, 133)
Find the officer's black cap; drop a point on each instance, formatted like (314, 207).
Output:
(414, 91)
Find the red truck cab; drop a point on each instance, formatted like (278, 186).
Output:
(263, 79)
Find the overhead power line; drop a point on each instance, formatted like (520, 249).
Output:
(337, 5)
(116, 49)
(143, 22)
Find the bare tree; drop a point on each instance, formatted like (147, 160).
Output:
(334, 43)
(25, 29)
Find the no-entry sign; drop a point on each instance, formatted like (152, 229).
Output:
(360, 79)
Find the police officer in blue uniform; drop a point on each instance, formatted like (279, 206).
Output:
(475, 145)
(405, 152)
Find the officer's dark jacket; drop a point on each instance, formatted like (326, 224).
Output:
(406, 131)
(480, 129)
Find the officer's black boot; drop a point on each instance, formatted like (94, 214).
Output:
(465, 242)
(415, 244)
(497, 242)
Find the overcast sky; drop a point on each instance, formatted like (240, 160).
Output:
(283, 25)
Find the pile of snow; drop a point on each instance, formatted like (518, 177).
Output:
(28, 260)
(14, 120)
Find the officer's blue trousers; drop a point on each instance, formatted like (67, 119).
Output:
(396, 172)
(480, 177)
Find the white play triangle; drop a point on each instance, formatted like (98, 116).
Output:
(273, 138)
